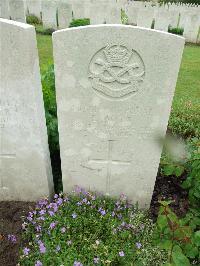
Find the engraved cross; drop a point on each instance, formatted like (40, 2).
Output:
(5, 156)
(109, 162)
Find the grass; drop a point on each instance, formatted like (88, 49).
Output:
(185, 115)
(45, 51)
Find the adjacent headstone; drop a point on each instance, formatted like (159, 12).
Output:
(78, 8)
(4, 9)
(192, 28)
(34, 7)
(145, 17)
(17, 10)
(132, 13)
(49, 10)
(114, 93)
(103, 13)
(64, 15)
(98, 14)
(25, 169)
(162, 20)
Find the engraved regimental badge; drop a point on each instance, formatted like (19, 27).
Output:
(116, 72)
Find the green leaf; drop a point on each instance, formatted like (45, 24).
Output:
(197, 238)
(179, 171)
(180, 259)
(162, 222)
(166, 244)
(191, 251)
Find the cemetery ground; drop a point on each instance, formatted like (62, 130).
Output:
(177, 181)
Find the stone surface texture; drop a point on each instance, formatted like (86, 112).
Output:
(115, 86)
(25, 169)
(17, 10)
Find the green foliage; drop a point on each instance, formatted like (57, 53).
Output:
(44, 31)
(181, 237)
(48, 85)
(192, 183)
(79, 22)
(90, 229)
(177, 237)
(185, 119)
(33, 20)
(178, 31)
(124, 17)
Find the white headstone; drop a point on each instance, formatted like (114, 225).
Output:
(25, 169)
(49, 9)
(17, 10)
(132, 13)
(64, 15)
(78, 8)
(192, 28)
(162, 20)
(34, 7)
(145, 17)
(4, 9)
(114, 94)
(103, 13)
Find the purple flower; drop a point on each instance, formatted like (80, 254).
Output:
(12, 238)
(74, 215)
(42, 202)
(42, 248)
(78, 189)
(63, 230)
(42, 212)
(78, 203)
(113, 214)
(26, 251)
(51, 213)
(58, 248)
(38, 228)
(93, 197)
(55, 196)
(84, 200)
(102, 211)
(138, 245)
(38, 263)
(96, 260)
(52, 225)
(77, 263)
(121, 254)
(59, 201)
(41, 218)
(29, 218)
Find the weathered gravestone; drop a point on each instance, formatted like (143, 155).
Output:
(49, 9)
(192, 28)
(4, 9)
(145, 17)
(114, 93)
(17, 10)
(64, 14)
(34, 7)
(25, 169)
(162, 20)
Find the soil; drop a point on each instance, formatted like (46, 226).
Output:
(10, 223)
(11, 215)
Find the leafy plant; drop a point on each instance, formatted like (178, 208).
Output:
(44, 31)
(178, 238)
(181, 237)
(86, 228)
(33, 20)
(79, 22)
(48, 85)
(177, 30)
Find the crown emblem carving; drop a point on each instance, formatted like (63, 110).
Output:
(116, 71)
